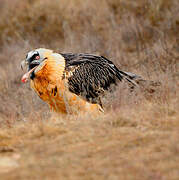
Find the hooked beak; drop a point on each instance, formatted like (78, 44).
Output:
(23, 64)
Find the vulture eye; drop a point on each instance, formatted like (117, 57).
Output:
(37, 57)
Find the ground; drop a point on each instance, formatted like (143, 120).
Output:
(136, 137)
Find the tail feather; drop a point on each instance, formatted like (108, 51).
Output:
(137, 81)
(130, 77)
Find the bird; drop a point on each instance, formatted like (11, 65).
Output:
(71, 83)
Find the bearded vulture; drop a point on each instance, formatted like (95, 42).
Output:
(71, 83)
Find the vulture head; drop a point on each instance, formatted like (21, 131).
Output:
(33, 60)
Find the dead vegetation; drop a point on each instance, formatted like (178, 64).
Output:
(137, 137)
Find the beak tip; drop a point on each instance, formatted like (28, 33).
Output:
(22, 64)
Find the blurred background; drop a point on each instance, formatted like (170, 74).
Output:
(140, 36)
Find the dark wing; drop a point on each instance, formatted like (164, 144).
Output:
(89, 76)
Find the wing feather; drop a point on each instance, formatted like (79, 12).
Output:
(92, 75)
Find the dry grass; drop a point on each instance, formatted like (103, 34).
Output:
(137, 137)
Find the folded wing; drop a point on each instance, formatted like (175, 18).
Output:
(89, 76)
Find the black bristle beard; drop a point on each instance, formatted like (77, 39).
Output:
(32, 75)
